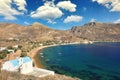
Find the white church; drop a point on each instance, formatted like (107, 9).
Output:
(24, 65)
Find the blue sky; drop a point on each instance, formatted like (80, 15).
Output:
(59, 14)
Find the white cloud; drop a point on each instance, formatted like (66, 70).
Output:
(67, 5)
(52, 22)
(73, 18)
(113, 5)
(48, 12)
(21, 4)
(117, 21)
(8, 11)
(93, 20)
(26, 23)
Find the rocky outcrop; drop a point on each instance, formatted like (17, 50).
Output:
(96, 31)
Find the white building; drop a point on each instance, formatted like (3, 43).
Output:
(23, 65)
(2, 48)
(16, 46)
(11, 51)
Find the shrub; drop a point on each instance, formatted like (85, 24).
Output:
(9, 47)
(3, 54)
(23, 54)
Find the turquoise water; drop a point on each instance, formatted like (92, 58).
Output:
(98, 61)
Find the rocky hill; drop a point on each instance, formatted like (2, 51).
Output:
(34, 32)
(38, 32)
(96, 31)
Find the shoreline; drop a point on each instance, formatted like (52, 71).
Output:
(34, 53)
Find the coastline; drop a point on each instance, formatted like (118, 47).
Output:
(34, 53)
(42, 47)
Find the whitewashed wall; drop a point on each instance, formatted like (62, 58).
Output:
(9, 66)
(26, 67)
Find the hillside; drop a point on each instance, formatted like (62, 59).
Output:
(38, 32)
(18, 76)
(96, 31)
(34, 32)
(15, 34)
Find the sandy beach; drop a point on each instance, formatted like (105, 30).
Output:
(34, 53)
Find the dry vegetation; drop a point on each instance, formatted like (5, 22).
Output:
(5, 75)
(35, 32)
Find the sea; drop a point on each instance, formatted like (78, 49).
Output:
(97, 61)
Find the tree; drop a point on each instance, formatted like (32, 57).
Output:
(3, 54)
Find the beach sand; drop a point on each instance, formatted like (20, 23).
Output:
(34, 53)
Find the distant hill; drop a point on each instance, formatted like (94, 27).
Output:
(38, 32)
(97, 31)
(34, 32)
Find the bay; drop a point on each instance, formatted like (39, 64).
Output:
(97, 61)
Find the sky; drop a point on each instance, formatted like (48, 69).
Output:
(59, 14)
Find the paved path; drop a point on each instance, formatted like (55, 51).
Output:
(38, 72)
